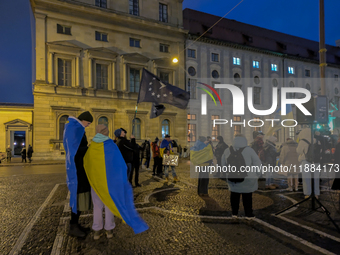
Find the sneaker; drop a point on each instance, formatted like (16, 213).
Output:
(109, 234)
(176, 179)
(289, 189)
(306, 196)
(97, 235)
(250, 217)
(296, 189)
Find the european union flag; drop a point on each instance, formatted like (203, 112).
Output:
(152, 89)
(156, 110)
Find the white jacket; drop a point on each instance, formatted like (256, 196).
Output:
(302, 148)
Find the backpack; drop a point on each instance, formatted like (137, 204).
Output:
(236, 159)
(313, 156)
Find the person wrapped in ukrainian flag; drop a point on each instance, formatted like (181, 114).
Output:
(106, 171)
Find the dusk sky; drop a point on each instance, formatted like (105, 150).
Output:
(295, 17)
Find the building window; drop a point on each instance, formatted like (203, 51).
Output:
(103, 120)
(214, 57)
(291, 95)
(137, 130)
(256, 64)
(257, 95)
(101, 36)
(163, 48)
(307, 73)
(191, 53)
(63, 30)
(275, 83)
(165, 128)
(191, 132)
(215, 132)
(64, 72)
(164, 77)
(256, 80)
(290, 70)
(101, 76)
(192, 88)
(192, 71)
(62, 122)
(101, 3)
(237, 77)
(336, 77)
(336, 91)
(134, 7)
(134, 43)
(292, 133)
(237, 128)
(191, 117)
(215, 74)
(236, 61)
(134, 80)
(307, 86)
(257, 120)
(163, 12)
(274, 67)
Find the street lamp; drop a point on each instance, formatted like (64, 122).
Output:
(175, 60)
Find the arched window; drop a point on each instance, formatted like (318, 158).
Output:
(137, 130)
(62, 121)
(103, 120)
(165, 128)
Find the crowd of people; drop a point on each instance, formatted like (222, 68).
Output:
(24, 153)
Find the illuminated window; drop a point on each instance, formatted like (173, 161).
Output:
(237, 128)
(290, 70)
(165, 128)
(103, 120)
(215, 130)
(236, 61)
(101, 76)
(256, 64)
(64, 72)
(274, 67)
(134, 80)
(137, 131)
(214, 57)
(163, 12)
(191, 117)
(257, 122)
(292, 133)
(191, 132)
(62, 122)
(134, 7)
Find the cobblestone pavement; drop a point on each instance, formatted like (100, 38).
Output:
(180, 222)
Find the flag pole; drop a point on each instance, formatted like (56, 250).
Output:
(136, 107)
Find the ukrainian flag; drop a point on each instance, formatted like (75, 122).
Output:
(165, 144)
(198, 157)
(107, 174)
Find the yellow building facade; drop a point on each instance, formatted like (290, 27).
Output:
(16, 129)
(89, 57)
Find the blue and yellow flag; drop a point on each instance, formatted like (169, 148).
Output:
(165, 145)
(73, 133)
(107, 173)
(201, 153)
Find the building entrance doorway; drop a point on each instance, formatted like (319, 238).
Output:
(19, 142)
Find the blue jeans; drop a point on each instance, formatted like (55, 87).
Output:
(166, 171)
(306, 179)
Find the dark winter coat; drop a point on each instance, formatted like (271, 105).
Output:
(126, 148)
(83, 182)
(23, 154)
(146, 152)
(220, 148)
(136, 154)
(336, 183)
(270, 153)
(29, 152)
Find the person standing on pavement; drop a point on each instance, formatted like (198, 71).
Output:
(29, 153)
(135, 164)
(270, 159)
(219, 149)
(147, 154)
(106, 170)
(157, 160)
(249, 184)
(23, 155)
(166, 148)
(257, 145)
(126, 148)
(9, 153)
(289, 157)
(75, 144)
(302, 149)
(210, 142)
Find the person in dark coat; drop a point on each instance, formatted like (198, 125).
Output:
(157, 160)
(29, 153)
(219, 149)
(126, 148)
(23, 155)
(147, 154)
(210, 142)
(270, 156)
(135, 164)
(336, 183)
(83, 197)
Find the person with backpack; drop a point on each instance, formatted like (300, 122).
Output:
(157, 160)
(306, 158)
(270, 153)
(242, 183)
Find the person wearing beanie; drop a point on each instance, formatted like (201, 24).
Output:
(75, 144)
(126, 148)
(270, 159)
(110, 189)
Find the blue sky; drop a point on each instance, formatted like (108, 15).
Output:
(295, 17)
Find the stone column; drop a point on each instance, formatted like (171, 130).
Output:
(77, 72)
(40, 46)
(113, 76)
(50, 68)
(90, 73)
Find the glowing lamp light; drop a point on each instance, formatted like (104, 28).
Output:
(318, 126)
(175, 60)
(15, 143)
(23, 144)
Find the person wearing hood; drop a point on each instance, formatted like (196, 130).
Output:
(110, 189)
(250, 183)
(289, 157)
(302, 149)
(219, 149)
(75, 144)
(202, 156)
(270, 159)
(126, 148)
